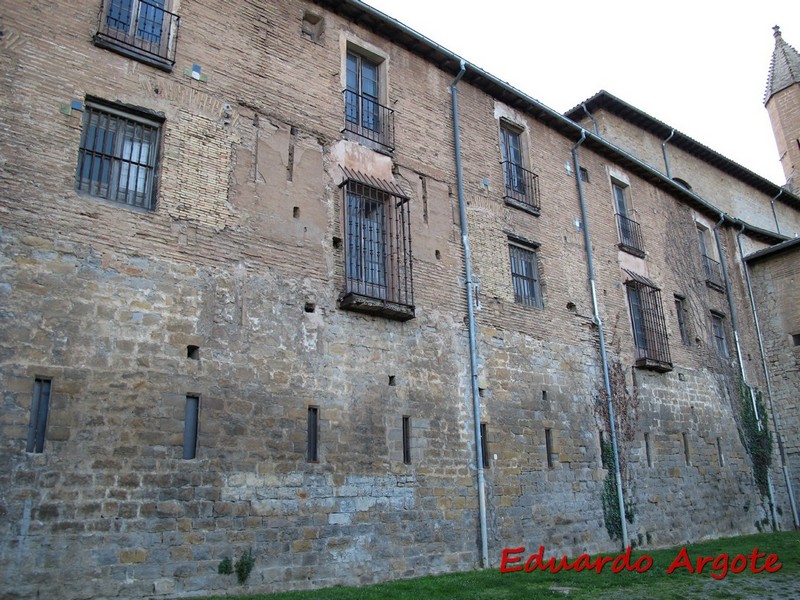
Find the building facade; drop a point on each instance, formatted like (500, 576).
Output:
(294, 282)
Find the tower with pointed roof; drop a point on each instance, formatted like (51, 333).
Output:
(782, 100)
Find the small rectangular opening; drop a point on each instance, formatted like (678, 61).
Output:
(719, 453)
(312, 444)
(484, 446)
(406, 440)
(190, 426)
(796, 339)
(686, 455)
(40, 405)
(647, 451)
(548, 446)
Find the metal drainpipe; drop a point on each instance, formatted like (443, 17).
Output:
(735, 326)
(588, 114)
(775, 214)
(473, 350)
(598, 321)
(781, 449)
(664, 152)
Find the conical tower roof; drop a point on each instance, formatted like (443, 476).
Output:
(784, 70)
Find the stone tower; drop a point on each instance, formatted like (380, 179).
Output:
(782, 99)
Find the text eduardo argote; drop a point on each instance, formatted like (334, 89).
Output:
(719, 566)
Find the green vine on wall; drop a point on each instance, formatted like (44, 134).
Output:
(757, 441)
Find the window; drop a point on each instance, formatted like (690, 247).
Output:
(142, 29)
(584, 174)
(525, 275)
(680, 313)
(191, 423)
(712, 268)
(630, 233)
(647, 320)
(720, 455)
(118, 155)
(647, 450)
(40, 404)
(312, 440)
(687, 457)
(378, 248)
(718, 332)
(548, 447)
(364, 115)
(521, 184)
(406, 440)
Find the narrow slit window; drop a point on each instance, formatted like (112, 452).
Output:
(190, 426)
(406, 440)
(40, 405)
(647, 450)
(312, 444)
(548, 447)
(720, 455)
(484, 446)
(686, 454)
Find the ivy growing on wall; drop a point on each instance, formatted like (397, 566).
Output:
(757, 440)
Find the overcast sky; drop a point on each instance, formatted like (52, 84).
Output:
(700, 66)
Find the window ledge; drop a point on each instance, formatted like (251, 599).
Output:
(632, 250)
(653, 365)
(715, 286)
(130, 51)
(533, 210)
(376, 306)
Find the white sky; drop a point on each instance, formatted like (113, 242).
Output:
(700, 66)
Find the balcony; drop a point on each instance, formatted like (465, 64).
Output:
(370, 121)
(522, 187)
(630, 236)
(713, 271)
(140, 29)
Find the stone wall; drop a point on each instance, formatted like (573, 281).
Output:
(229, 291)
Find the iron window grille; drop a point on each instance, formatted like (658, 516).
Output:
(647, 321)
(718, 331)
(525, 276)
(144, 30)
(365, 116)
(378, 261)
(118, 156)
(630, 233)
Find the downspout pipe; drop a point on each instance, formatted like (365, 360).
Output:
(743, 374)
(781, 449)
(588, 114)
(775, 214)
(599, 323)
(473, 348)
(664, 152)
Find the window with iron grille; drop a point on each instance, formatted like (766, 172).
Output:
(118, 155)
(40, 405)
(647, 321)
(522, 185)
(378, 269)
(711, 267)
(630, 232)
(365, 116)
(141, 29)
(718, 332)
(680, 313)
(525, 275)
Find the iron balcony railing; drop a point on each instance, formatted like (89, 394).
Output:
(649, 326)
(630, 235)
(142, 29)
(522, 185)
(713, 272)
(366, 118)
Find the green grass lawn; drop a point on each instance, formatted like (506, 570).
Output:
(653, 583)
